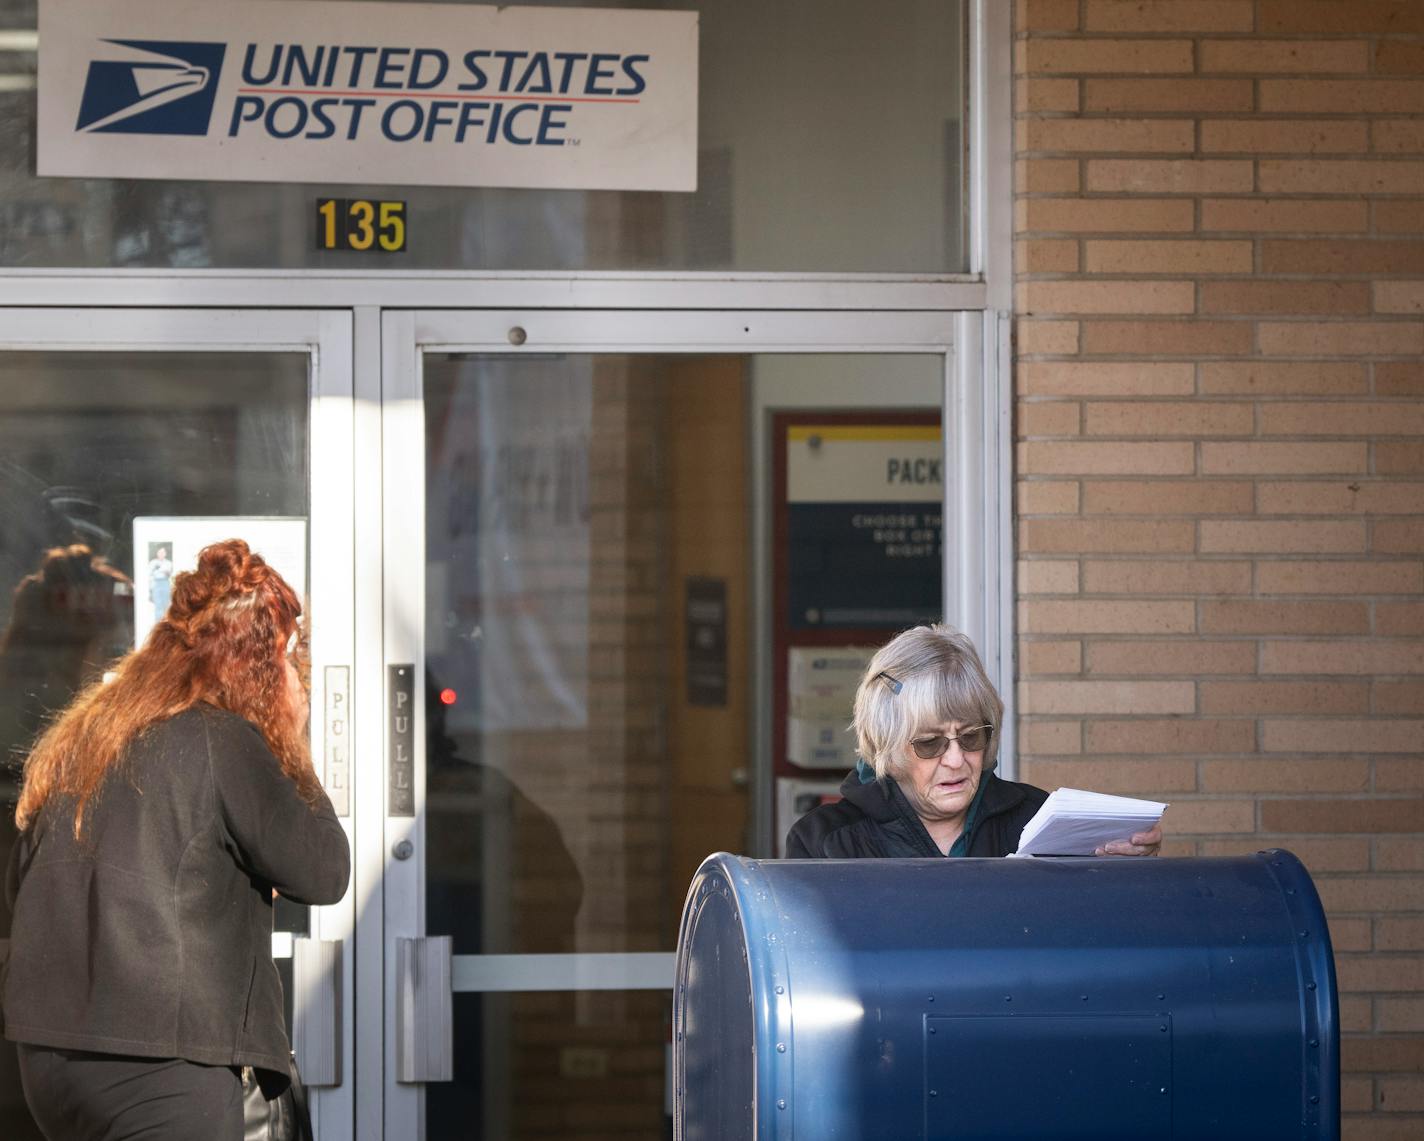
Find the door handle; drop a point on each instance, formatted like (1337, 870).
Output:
(316, 1021)
(425, 1043)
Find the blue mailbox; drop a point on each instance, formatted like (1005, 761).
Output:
(884, 1000)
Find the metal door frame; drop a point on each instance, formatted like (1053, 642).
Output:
(367, 463)
(975, 542)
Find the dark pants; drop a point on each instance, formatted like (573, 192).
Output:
(79, 1096)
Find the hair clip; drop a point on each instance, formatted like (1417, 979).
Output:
(895, 686)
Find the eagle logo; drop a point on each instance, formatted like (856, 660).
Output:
(150, 87)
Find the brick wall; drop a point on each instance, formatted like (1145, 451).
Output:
(1220, 423)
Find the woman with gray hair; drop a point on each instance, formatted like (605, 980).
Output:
(927, 725)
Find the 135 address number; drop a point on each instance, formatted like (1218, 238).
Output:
(360, 224)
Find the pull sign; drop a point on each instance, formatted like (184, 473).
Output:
(400, 685)
(337, 733)
(360, 224)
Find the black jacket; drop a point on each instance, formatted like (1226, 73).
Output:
(151, 935)
(875, 821)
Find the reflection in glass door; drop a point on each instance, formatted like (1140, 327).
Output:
(577, 596)
(571, 785)
(104, 443)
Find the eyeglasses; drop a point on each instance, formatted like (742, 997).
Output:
(971, 740)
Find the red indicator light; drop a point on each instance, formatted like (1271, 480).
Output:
(448, 697)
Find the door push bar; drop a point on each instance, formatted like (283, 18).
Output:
(425, 1046)
(316, 1023)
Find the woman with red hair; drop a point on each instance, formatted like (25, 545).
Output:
(158, 814)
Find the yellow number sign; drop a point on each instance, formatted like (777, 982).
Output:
(360, 224)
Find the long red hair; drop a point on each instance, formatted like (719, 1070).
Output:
(224, 642)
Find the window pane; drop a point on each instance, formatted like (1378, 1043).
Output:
(830, 141)
(591, 699)
(571, 786)
(555, 1066)
(590, 687)
(88, 443)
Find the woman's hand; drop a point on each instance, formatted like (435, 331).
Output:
(1141, 844)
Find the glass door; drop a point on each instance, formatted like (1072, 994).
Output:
(128, 440)
(578, 682)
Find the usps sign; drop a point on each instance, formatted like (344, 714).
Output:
(396, 94)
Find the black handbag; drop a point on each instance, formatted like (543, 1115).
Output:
(282, 1118)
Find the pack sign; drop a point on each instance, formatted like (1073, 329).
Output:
(369, 93)
(864, 525)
